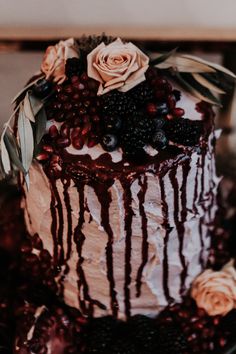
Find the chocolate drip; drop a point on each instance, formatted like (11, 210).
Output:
(127, 197)
(195, 209)
(58, 206)
(167, 228)
(186, 169)
(69, 217)
(104, 197)
(54, 226)
(79, 239)
(141, 197)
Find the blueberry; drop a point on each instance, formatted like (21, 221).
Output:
(159, 122)
(42, 88)
(109, 142)
(159, 140)
(113, 123)
(162, 109)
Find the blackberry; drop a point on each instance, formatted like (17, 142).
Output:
(99, 334)
(112, 123)
(171, 340)
(228, 323)
(184, 131)
(141, 94)
(74, 66)
(144, 332)
(117, 103)
(136, 133)
(122, 346)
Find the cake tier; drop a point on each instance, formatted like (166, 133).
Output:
(129, 238)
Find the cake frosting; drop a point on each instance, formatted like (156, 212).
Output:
(130, 239)
(120, 179)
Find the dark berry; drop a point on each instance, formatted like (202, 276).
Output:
(144, 332)
(73, 67)
(228, 324)
(112, 123)
(42, 88)
(159, 122)
(117, 103)
(171, 340)
(177, 95)
(109, 142)
(141, 94)
(157, 109)
(159, 140)
(136, 133)
(184, 131)
(178, 112)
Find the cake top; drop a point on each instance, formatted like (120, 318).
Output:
(106, 94)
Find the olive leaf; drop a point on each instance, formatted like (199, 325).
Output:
(216, 67)
(184, 64)
(40, 125)
(5, 158)
(36, 103)
(163, 57)
(21, 92)
(195, 89)
(206, 83)
(28, 111)
(26, 140)
(224, 82)
(13, 150)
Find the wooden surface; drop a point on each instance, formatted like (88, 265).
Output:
(140, 33)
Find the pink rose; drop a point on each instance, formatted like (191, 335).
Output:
(215, 292)
(54, 60)
(117, 66)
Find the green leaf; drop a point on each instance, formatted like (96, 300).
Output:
(206, 83)
(195, 89)
(163, 57)
(28, 109)
(220, 80)
(26, 140)
(215, 66)
(5, 158)
(183, 64)
(13, 150)
(40, 123)
(36, 103)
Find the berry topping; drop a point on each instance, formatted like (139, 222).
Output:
(184, 131)
(74, 66)
(136, 133)
(159, 140)
(159, 122)
(42, 88)
(172, 340)
(109, 142)
(141, 94)
(118, 104)
(112, 123)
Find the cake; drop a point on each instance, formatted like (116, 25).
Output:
(117, 153)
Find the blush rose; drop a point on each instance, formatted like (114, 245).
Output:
(215, 291)
(54, 60)
(117, 65)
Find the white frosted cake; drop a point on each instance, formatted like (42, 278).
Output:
(122, 188)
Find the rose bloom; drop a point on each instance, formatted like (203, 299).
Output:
(54, 60)
(215, 292)
(117, 66)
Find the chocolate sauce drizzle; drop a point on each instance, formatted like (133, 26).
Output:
(141, 197)
(104, 197)
(127, 198)
(183, 275)
(167, 228)
(66, 186)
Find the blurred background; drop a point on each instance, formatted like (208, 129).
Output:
(27, 27)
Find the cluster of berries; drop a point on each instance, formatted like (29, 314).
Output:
(145, 115)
